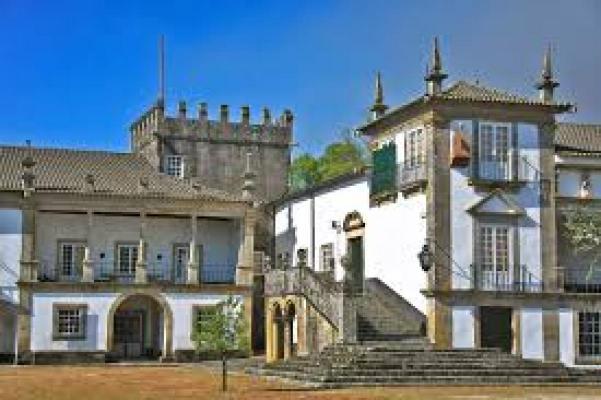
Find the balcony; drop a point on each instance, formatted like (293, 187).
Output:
(411, 176)
(513, 279)
(108, 271)
(580, 279)
(512, 171)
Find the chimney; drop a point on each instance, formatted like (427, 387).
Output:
(181, 110)
(27, 179)
(245, 111)
(90, 182)
(287, 118)
(203, 113)
(223, 114)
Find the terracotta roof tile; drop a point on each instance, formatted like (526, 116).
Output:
(65, 170)
(578, 137)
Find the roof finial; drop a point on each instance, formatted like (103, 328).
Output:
(161, 95)
(248, 184)
(435, 74)
(546, 86)
(378, 108)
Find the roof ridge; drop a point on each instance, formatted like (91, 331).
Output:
(66, 150)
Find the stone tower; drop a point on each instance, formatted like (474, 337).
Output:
(213, 153)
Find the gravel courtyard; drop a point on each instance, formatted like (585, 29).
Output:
(198, 382)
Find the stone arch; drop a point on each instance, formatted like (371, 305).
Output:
(167, 342)
(290, 326)
(276, 317)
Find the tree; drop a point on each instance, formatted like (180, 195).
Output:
(304, 172)
(339, 158)
(223, 332)
(583, 230)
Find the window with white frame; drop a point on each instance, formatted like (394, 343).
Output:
(494, 153)
(495, 252)
(127, 255)
(71, 255)
(174, 166)
(413, 148)
(69, 321)
(326, 257)
(589, 334)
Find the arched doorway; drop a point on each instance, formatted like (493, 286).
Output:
(277, 320)
(290, 333)
(354, 277)
(140, 327)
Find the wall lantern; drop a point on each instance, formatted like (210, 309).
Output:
(425, 257)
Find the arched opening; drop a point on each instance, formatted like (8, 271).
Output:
(139, 327)
(354, 276)
(277, 320)
(290, 331)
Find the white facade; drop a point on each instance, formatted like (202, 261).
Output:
(10, 254)
(394, 233)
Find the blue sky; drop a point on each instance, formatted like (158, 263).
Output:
(76, 73)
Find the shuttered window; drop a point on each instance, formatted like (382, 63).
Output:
(384, 174)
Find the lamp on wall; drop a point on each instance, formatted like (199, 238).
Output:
(425, 257)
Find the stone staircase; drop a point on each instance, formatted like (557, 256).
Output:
(384, 315)
(412, 361)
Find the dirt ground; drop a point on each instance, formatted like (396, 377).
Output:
(200, 383)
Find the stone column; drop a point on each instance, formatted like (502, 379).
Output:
(88, 265)
(244, 269)
(287, 338)
(193, 267)
(141, 266)
(438, 227)
(551, 334)
(547, 212)
(29, 267)
(269, 355)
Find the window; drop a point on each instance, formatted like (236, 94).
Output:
(413, 148)
(181, 259)
(494, 151)
(326, 257)
(127, 255)
(174, 166)
(589, 334)
(201, 314)
(494, 256)
(69, 321)
(384, 173)
(71, 255)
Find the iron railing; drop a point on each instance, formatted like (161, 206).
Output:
(512, 279)
(520, 170)
(580, 279)
(218, 273)
(409, 175)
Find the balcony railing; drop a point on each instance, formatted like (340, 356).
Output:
(410, 175)
(108, 271)
(518, 170)
(512, 279)
(581, 279)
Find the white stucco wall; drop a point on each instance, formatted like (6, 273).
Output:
(532, 333)
(394, 233)
(220, 238)
(463, 327)
(96, 323)
(10, 253)
(566, 336)
(463, 196)
(182, 305)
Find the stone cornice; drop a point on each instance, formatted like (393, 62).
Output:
(125, 288)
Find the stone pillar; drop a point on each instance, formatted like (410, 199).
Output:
(438, 228)
(88, 265)
(287, 338)
(29, 268)
(244, 269)
(348, 323)
(547, 212)
(141, 266)
(193, 272)
(551, 334)
(269, 354)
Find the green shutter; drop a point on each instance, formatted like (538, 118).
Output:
(384, 170)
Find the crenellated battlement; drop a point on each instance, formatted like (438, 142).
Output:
(155, 123)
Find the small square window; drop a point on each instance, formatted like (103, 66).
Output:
(174, 166)
(69, 321)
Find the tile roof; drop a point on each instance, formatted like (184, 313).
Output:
(120, 174)
(470, 92)
(578, 137)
